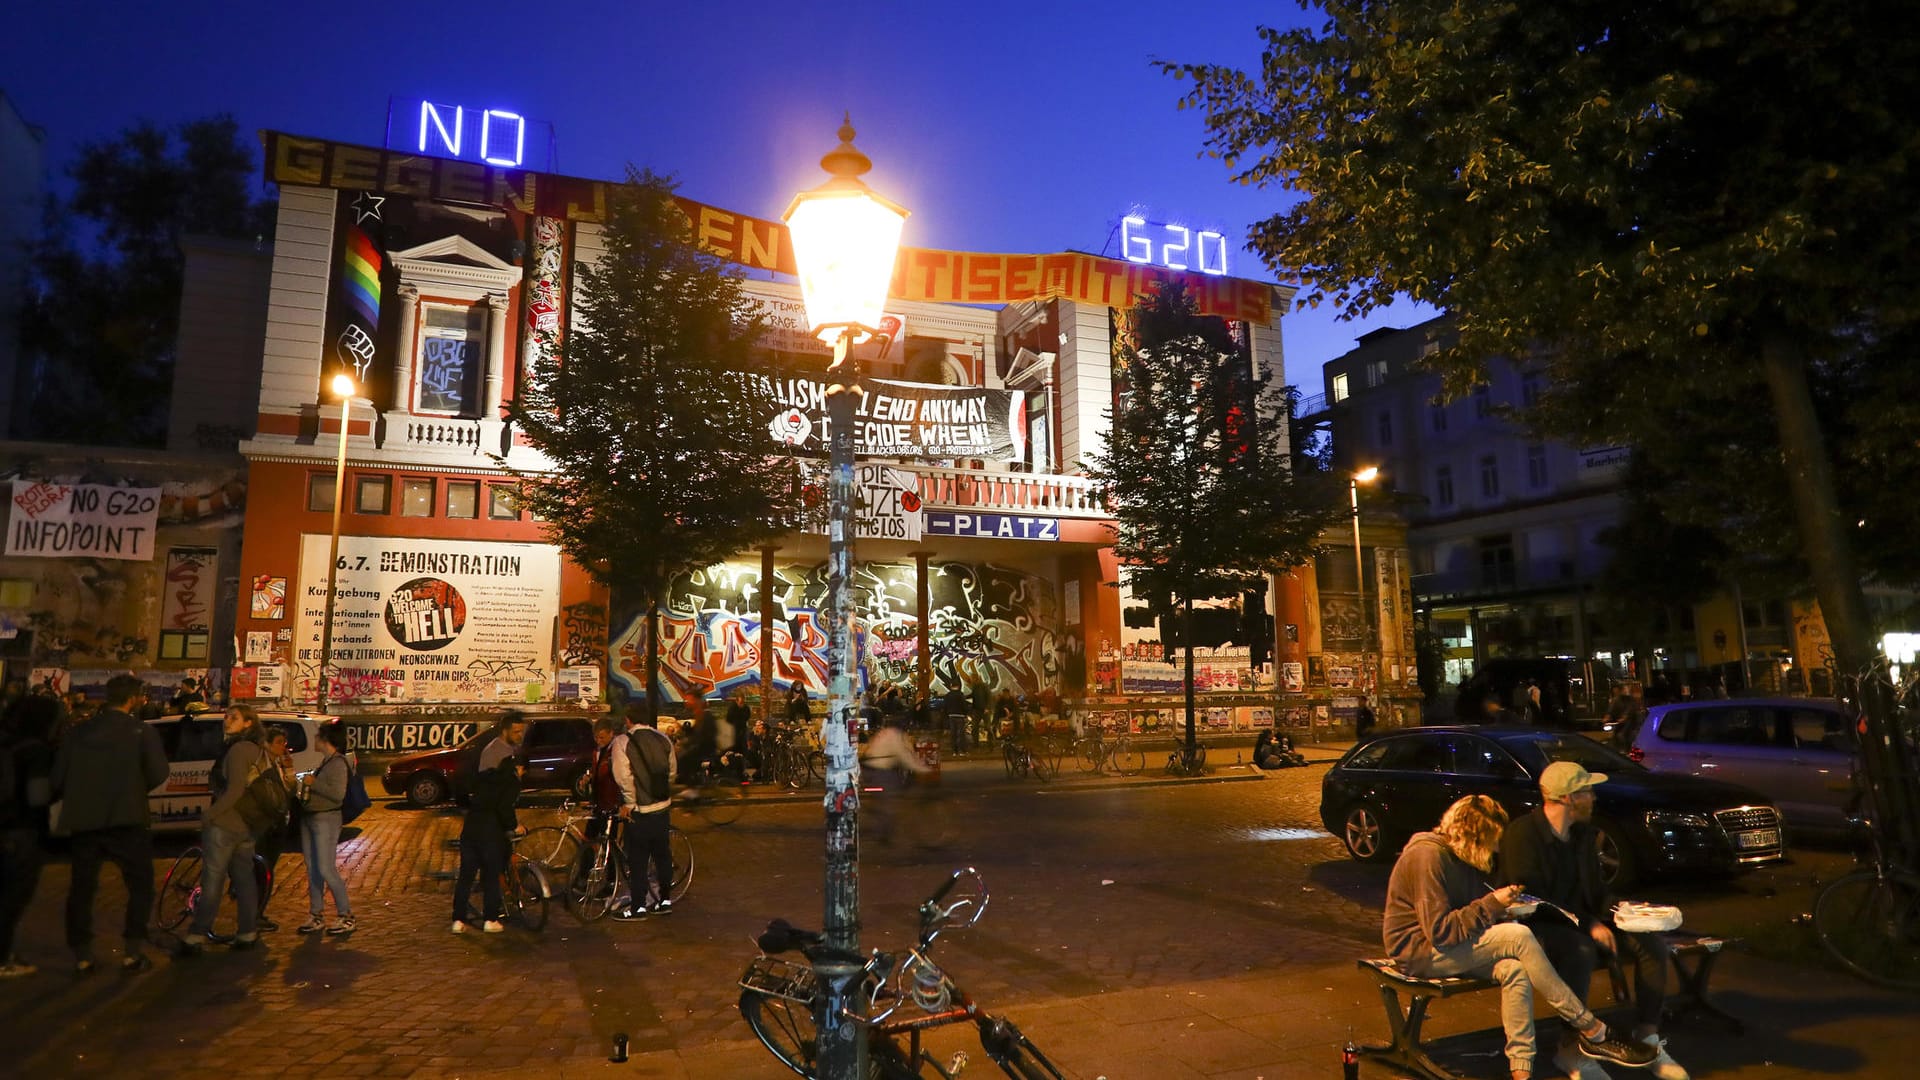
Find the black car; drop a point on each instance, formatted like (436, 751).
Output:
(1389, 787)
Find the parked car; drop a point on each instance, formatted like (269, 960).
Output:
(1389, 787)
(1800, 751)
(193, 742)
(558, 752)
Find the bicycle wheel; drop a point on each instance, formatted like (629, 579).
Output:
(1009, 755)
(793, 767)
(529, 881)
(1127, 761)
(554, 847)
(1020, 1061)
(174, 903)
(1046, 760)
(784, 1026)
(1089, 752)
(1871, 924)
(682, 864)
(721, 803)
(594, 884)
(815, 766)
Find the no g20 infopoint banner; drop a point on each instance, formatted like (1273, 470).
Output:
(99, 521)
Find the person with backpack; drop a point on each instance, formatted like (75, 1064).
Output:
(326, 793)
(102, 772)
(643, 767)
(26, 787)
(249, 800)
(486, 834)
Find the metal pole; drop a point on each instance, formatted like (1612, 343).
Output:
(333, 555)
(1360, 582)
(842, 1050)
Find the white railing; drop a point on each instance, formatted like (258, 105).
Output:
(443, 434)
(996, 492)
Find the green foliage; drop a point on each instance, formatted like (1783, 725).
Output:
(653, 423)
(1205, 504)
(103, 315)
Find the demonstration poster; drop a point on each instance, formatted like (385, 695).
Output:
(93, 520)
(907, 420)
(429, 620)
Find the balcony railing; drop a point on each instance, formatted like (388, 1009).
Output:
(449, 434)
(1038, 494)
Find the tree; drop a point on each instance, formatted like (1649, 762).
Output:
(654, 424)
(1671, 199)
(1204, 501)
(103, 314)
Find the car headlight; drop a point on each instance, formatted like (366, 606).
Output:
(1660, 820)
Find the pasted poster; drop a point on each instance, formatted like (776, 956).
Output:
(259, 646)
(270, 680)
(100, 521)
(886, 502)
(269, 597)
(429, 620)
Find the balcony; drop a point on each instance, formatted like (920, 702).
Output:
(1499, 582)
(1034, 494)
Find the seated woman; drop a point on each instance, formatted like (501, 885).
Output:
(1274, 751)
(1443, 919)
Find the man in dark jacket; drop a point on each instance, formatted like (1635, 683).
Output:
(1554, 853)
(102, 772)
(486, 836)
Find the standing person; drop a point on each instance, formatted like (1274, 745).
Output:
(643, 767)
(491, 822)
(26, 787)
(272, 845)
(1363, 720)
(955, 706)
(227, 839)
(320, 823)
(188, 694)
(102, 772)
(1554, 852)
(1442, 919)
(733, 733)
(981, 717)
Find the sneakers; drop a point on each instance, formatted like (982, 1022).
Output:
(1663, 1067)
(493, 926)
(14, 969)
(632, 914)
(1611, 1047)
(344, 926)
(313, 925)
(459, 926)
(664, 907)
(264, 924)
(1569, 1062)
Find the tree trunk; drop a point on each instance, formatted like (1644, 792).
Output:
(1186, 633)
(1836, 581)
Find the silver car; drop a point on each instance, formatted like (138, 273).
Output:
(1800, 751)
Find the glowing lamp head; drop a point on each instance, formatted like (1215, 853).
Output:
(343, 386)
(844, 241)
(1366, 475)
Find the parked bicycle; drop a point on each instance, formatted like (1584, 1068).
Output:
(901, 999)
(598, 876)
(1038, 756)
(1098, 753)
(789, 758)
(179, 891)
(1187, 761)
(1869, 920)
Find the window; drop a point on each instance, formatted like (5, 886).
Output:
(1479, 757)
(1376, 372)
(1536, 466)
(451, 361)
(503, 502)
(1744, 726)
(1530, 389)
(16, 592)
(1439, 414)
(1410, 753)
(1443, 485)
(320, 492)
(1496, 561)
(184, 644)
(371, 494)
(1339, 388)
(463, 498)
(1490, 477)
(416, 497)
(1482, 402)
(1385, 428)
(1818, 729)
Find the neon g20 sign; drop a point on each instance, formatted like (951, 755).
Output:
(1175, 247)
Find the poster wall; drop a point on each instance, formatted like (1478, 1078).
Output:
(429, 620)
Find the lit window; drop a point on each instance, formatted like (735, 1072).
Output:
(416, 497)
(463, 498)
(320, 492)
(184, 644)
(450, 364)
(371, 494)
(503, 502)
(16, 592)
(1339, 388)
(1443, 485)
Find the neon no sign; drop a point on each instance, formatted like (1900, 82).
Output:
(500, 131)
(1175, 247)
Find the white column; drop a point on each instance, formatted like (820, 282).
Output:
(496, 355)
(402, 399)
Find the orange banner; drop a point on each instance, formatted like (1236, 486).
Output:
(965, 277)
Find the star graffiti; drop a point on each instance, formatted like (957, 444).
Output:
(367, 205)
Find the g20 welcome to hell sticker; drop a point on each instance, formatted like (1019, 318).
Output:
(426, 613)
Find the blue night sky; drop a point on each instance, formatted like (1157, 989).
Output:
(1016, 127)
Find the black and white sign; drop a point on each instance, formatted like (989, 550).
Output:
(907, 420)
(992, 526)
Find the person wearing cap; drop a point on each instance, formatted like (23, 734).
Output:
(1553, 853)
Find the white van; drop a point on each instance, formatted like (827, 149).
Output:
(193, 742)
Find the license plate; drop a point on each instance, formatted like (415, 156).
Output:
(1758, 838)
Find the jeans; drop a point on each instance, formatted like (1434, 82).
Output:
(648, 839)
(129, 847)
(1510, 955)
(1575, 954)
(319, 839)
(21, 858)
(226, 855)
(483, 852)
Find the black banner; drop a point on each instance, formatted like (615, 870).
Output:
(907, 420)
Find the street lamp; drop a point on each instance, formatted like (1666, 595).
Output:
(343, 388)
(1364, 476)
(844, 239)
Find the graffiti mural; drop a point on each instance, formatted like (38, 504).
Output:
(987, 624)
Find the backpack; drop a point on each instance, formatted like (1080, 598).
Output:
(357, 799)
(265, 804)
(649, 765)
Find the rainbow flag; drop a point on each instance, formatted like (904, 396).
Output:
(360, 265)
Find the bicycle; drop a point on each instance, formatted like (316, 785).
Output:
(1040, 757)
(717, 801)
(1185, 761)
(1869, 919)
(593, 881)
(1098, 753)
(777, 999)
(524, 892)
(789, 758)
(557, 847)
(180, 890)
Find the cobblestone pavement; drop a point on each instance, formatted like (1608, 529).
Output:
(1124, 900)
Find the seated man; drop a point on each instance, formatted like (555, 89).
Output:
(1442, 919)
(1553, 853)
